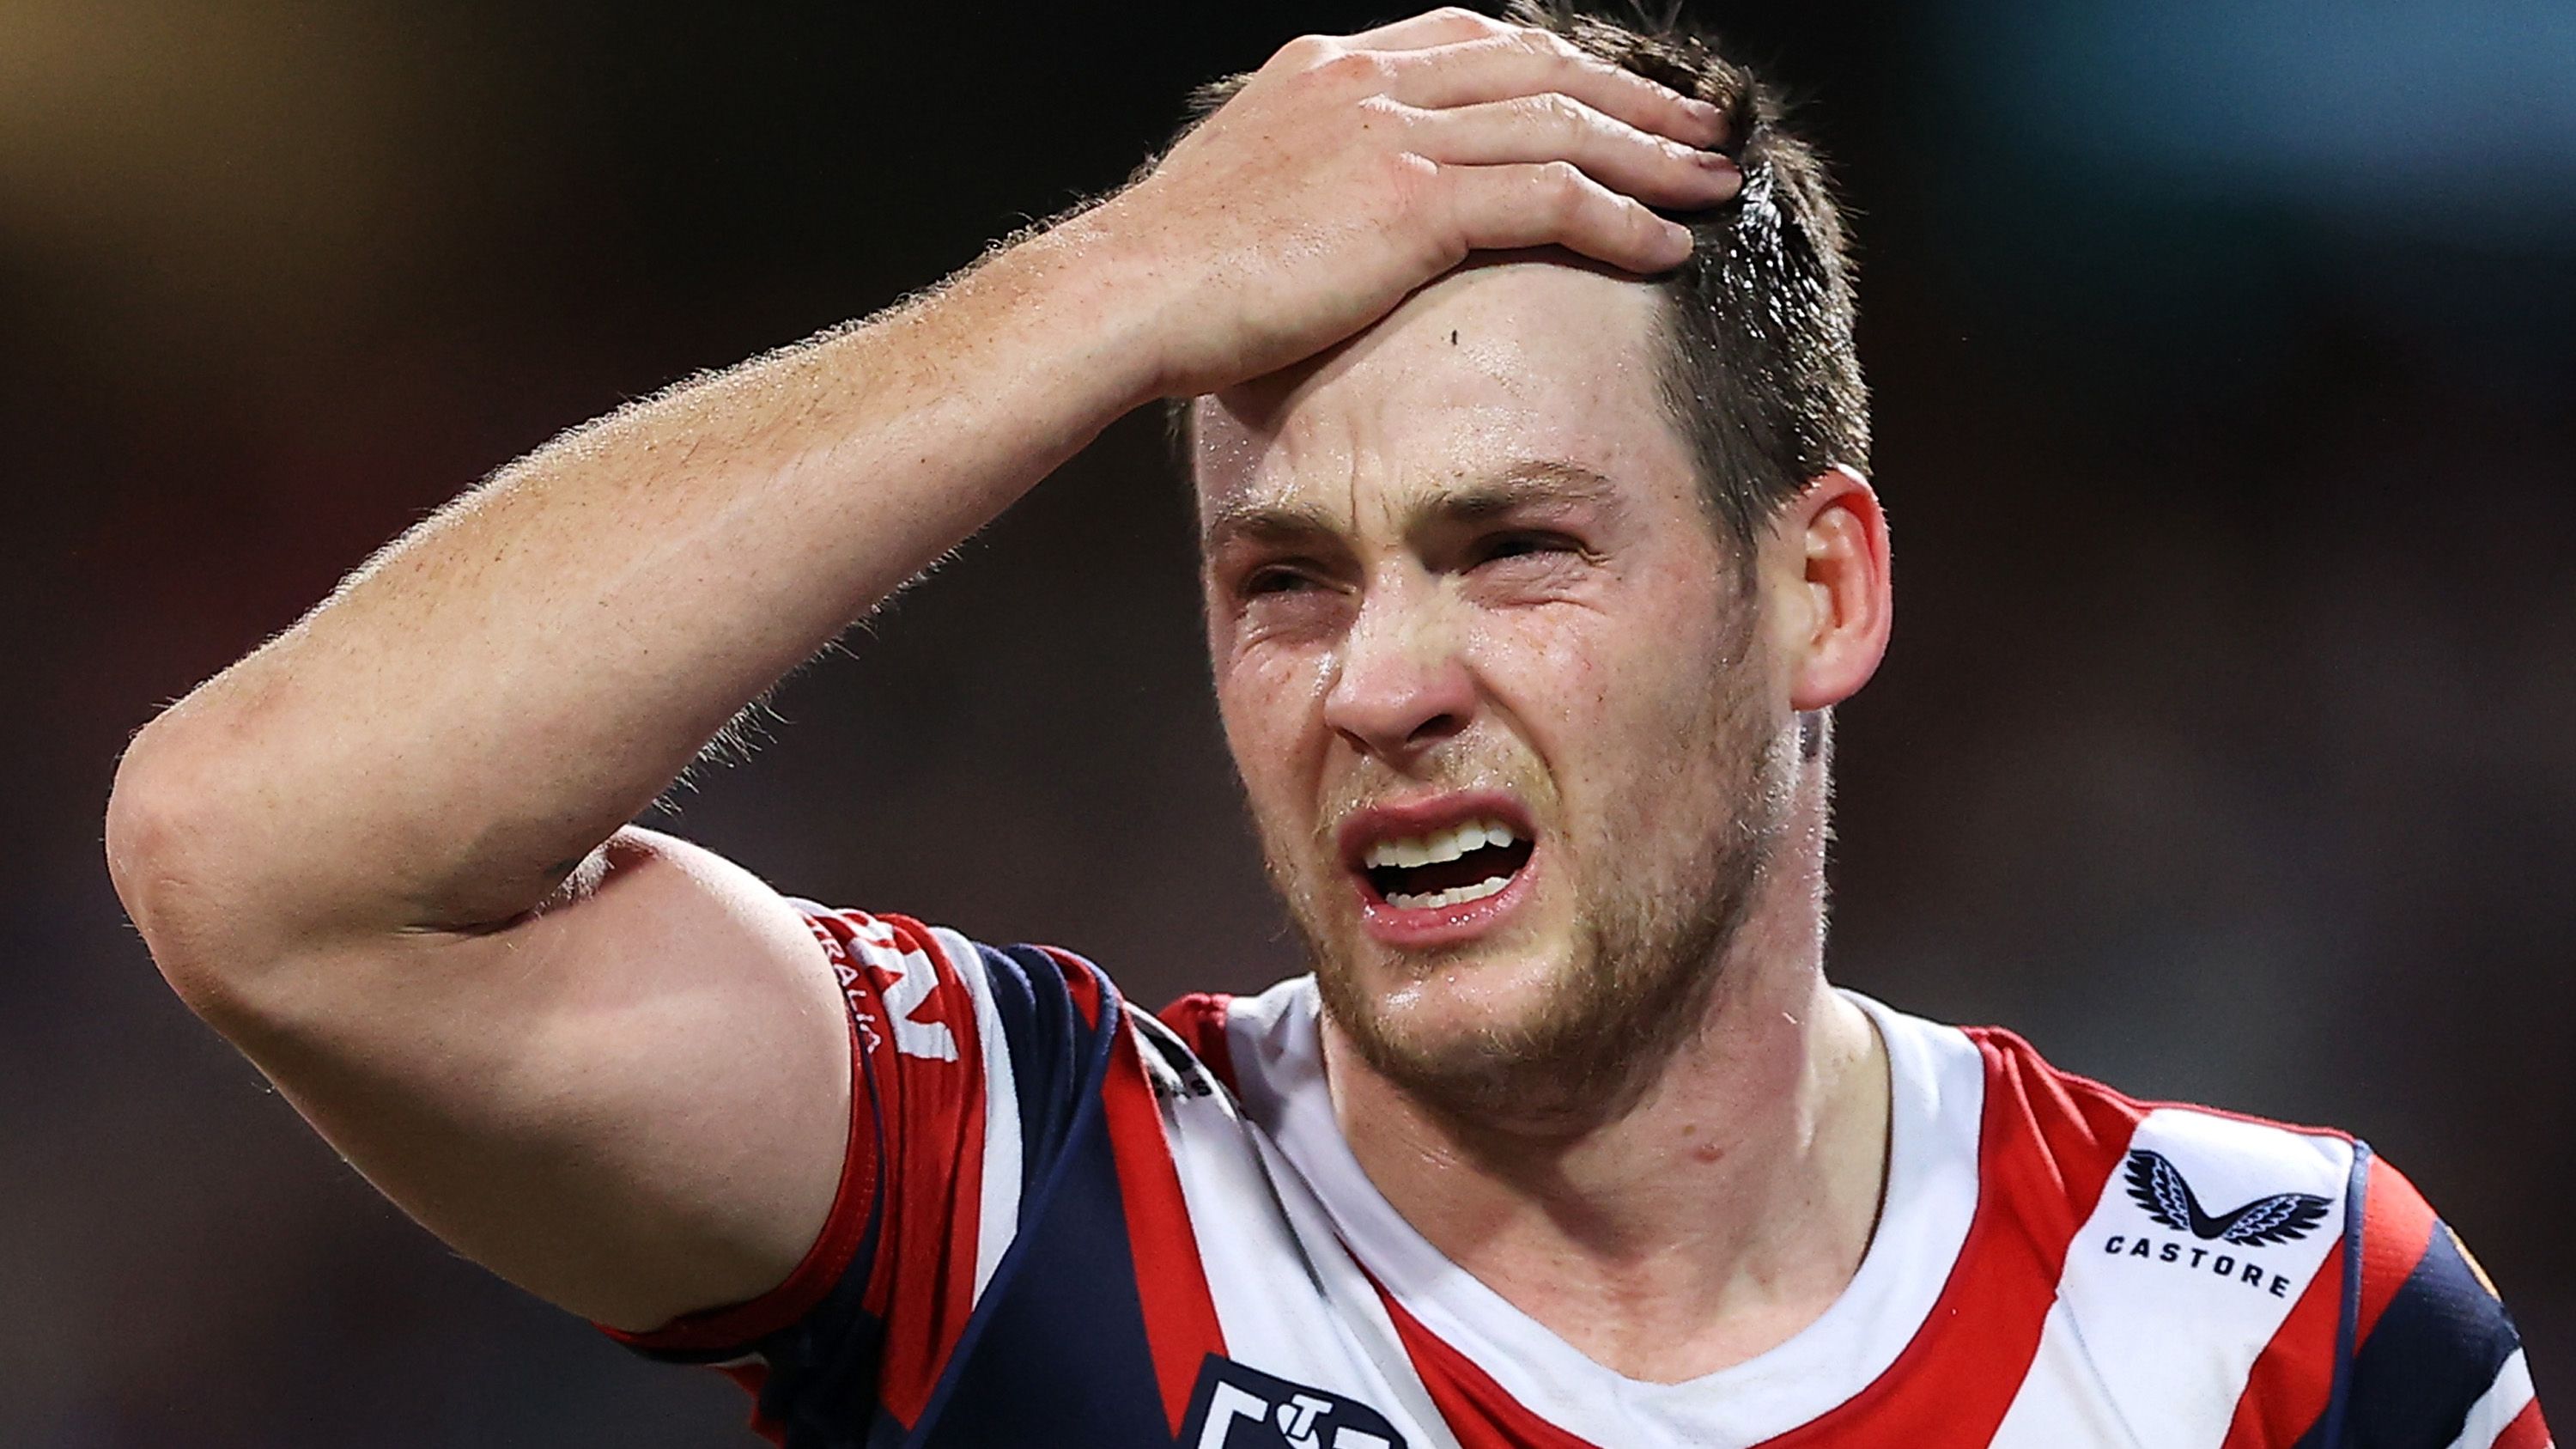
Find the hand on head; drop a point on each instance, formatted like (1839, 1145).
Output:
(1350, 170)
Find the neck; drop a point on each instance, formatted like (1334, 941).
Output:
(1707, 1223)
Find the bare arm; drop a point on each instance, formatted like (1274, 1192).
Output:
(385, 853)
(372, 854)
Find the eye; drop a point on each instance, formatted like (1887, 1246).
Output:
(1523, 544)
(1275, 580)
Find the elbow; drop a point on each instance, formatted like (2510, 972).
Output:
(167, 850)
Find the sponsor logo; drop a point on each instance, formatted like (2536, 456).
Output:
(1235, 1407)
(2158, 1187)
(908, 980)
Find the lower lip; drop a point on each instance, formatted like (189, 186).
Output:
(1427, 927)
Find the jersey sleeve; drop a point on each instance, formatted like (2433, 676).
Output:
(2435, 1361)
(965, 1066)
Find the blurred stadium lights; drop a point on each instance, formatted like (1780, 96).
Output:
(2430, 115)
(2224, 187)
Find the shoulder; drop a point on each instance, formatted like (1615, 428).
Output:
(2302, 1283)
(2436, 1357)
(2092, 1144)
(1008, 1157)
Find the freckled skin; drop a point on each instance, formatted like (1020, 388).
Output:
(1608, 672)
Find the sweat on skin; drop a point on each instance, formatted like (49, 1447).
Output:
(1466, 556)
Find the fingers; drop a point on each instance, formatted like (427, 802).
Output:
(1445, 26)
(1552, 126)
(1552, 203)
(1521, 62)
(1524, 139)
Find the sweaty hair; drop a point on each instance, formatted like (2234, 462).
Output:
(1759, 367)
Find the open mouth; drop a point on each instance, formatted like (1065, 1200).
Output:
(1448, 867)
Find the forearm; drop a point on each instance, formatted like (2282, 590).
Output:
(487, 701)
(482, 706)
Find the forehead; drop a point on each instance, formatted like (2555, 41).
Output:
(1490, 369)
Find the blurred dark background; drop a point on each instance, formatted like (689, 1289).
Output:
(2226, 401)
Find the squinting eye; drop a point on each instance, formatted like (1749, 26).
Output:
(1275, 581)
(1517, 545)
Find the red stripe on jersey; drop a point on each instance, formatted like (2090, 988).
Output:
(2397, 1226)
(1081, 982)
(924, 1274)
(723, 1329)
(2526, 1431)
(1198, 1019)
(1181, 1326)
(2047, 1145)
(1479, 1411)
(2294, 1375)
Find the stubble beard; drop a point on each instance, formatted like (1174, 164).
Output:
(1645, 955)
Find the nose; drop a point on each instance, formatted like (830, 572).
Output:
(1402, 686)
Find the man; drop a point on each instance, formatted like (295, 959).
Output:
(1537, 552)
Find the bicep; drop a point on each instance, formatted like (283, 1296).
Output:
(634, 1103)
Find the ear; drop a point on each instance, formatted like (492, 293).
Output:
(1826, 570)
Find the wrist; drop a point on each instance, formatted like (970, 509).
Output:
(1070, 306)
(1117, 294)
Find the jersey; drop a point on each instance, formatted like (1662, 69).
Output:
(1064, 1222)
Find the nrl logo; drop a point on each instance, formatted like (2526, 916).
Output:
(1237, 1407)
(2156, 1185)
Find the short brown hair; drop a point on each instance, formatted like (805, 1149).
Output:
(1761, 375)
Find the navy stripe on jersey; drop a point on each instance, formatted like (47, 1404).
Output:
(1070, 1267)
(822, 1382)
(1045, 1036)
(2328, 1430)
(2434, 1352)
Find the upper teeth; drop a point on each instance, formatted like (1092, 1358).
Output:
(1447, 844)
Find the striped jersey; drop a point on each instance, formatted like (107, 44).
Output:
(1064, 1222)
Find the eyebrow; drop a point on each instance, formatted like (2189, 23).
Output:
(1538, 483)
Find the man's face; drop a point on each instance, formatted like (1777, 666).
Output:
(1508, 725)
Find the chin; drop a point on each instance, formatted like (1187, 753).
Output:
(1463, 1002)
(1509, 1040)
(1550, 1037)
(1553, 1019)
